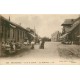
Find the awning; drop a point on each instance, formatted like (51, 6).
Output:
(32, 35)
(63, 36)
(78, 36)
(12, 26)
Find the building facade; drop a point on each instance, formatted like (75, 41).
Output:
(74, 33)
(55, 37)
(10, 31)
(71, 32)
(67, 24)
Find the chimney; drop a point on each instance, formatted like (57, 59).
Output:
(9, 18)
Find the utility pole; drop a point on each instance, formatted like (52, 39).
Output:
(79, 31)
(9, 18)
(0, 37)
(34, 34)
(34, 30)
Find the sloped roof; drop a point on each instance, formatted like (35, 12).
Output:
(19, 26)
(75, 25)
(32, 35)
(68, 22)
(63, 36)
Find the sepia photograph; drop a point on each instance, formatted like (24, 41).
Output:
(39, 39)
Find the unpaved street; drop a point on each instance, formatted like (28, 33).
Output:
(48, 55)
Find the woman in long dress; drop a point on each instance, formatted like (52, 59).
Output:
(42, 44)
(32, 44)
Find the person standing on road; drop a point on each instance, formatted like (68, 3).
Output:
(32, 44)
(42, 44)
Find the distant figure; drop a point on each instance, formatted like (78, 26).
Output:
(26, 42)
(7, 46)
(18, 46)
(32, 44)
(3, 47)
(42, 44)
(11, 45)
(14, 46)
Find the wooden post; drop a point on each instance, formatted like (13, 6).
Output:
(0, 37)
(79, 33)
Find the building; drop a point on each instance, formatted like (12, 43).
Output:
(67, 24)
(33, 35)
(71, 31)
(55, 37)
(74, 32)
(10, 31)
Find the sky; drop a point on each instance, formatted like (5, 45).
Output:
(45, 24)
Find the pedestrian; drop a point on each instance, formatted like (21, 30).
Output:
(27, 42)
(14, 46)
(11, 45)
(7, 46)
(3, 47)
(42, 44)
(32, 44)
(3, 44)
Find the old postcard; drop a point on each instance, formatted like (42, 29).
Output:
(39, 39)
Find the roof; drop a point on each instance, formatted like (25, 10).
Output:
(75, 25)
(12, 23)
(31, 31)
(32, 35)
(68, 22)
(63, 36)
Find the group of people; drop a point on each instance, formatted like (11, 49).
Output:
(26, 42)
(41, 44)
(9, 47)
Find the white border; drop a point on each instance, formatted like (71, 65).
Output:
(39, 72)
(39, 6)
